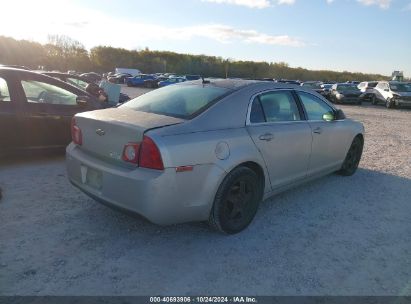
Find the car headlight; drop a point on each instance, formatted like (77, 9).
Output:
(339, 96)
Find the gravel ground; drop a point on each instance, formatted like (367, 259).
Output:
(335, 236)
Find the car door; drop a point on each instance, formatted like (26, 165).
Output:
(276, 125)
(10, 129)
(48, 112)
(382, 91)
(329, 138)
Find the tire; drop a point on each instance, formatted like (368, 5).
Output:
(147, 84)
(129, 84)
(373, 100)
(236, 201)
(353, 157)
(389, 103)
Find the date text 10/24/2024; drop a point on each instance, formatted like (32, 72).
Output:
(203, 299)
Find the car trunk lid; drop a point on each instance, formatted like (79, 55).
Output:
(106, 132)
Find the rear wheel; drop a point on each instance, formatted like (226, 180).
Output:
(236, 201)
(352, 158)
(373, 99)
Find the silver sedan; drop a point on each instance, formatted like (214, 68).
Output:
(210, 150)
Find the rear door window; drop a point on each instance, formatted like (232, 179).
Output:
(4, 91)
(278, 106)
(42, 92)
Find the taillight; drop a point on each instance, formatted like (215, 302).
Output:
(76, 135)
(150, 156)
(145, 154)
(130, 153)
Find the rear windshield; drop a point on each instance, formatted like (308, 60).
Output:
(177, 100)
(346, 87)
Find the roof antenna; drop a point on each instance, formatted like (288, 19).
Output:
(205, 81)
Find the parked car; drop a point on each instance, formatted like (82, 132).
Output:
(210, 165)
(118, 78)
(36, 110)
(296, 82)
(326, 90)
(171, 80)
(393, 94)
(146, 80)
(313, 85)
(192, 77)
(367, 89)
(83, 84)
(74, 80)
(345, 93)
(92, 77)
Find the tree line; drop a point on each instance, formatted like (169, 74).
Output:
(63, 53)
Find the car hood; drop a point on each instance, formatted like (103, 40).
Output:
(403, 94)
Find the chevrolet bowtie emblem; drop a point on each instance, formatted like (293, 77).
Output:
(100, 132)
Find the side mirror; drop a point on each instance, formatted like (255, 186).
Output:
(82, 100)
(329, 116)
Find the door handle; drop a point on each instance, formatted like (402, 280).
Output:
(317, 130)
(266, 137)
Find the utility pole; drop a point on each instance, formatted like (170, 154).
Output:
(226, 68)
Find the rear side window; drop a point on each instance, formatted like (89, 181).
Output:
(372, 84)
(178, 101)
(4, 91)
(274, 107)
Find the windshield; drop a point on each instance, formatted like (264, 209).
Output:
(346, 87)
(177, 101)
(401, 87)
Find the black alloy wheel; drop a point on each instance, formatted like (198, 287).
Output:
(352, 158)
(236, 201)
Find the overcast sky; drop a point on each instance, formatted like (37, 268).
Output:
(354, 35)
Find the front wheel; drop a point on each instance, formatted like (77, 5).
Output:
(352, 158)
(236, 201)
(389, 103)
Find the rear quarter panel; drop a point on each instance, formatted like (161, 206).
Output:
(201, 148)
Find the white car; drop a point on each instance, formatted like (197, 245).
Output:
(392, 93)
(367, 89)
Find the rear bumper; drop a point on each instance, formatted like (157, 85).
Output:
(163, 197)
